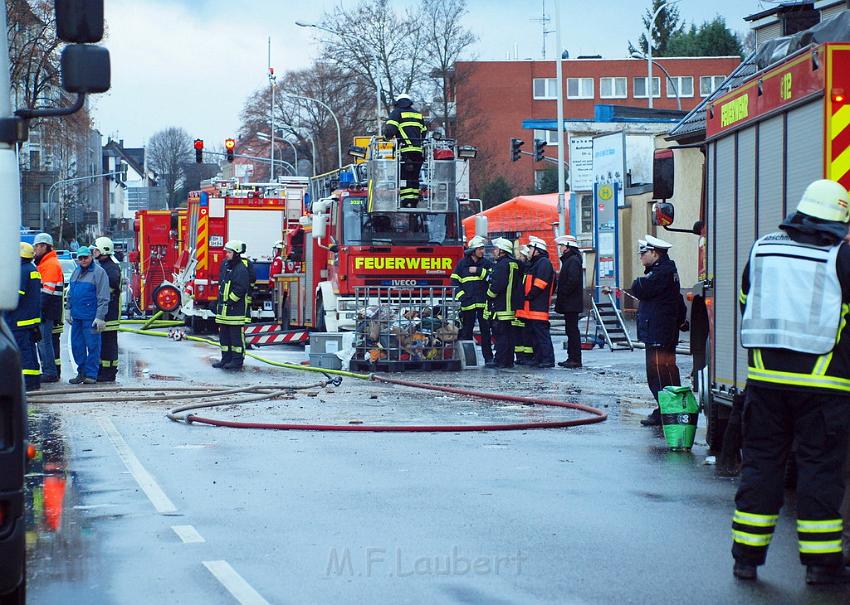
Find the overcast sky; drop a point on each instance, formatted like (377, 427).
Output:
(193, 63)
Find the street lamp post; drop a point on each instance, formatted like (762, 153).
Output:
(559, 77)
(271, 84)
(333, 115)
(263, 135)
(668, 76)
(658, 10)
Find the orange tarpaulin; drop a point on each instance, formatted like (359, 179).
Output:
(521, 217)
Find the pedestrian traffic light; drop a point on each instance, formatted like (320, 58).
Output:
(123, 170)
(515, 149)
(229, 145)
(539, 147)
(199, 151)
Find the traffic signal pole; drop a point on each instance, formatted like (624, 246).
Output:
(559, 77)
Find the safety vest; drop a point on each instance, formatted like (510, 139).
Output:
(27, 314)
(505, 289)
(470, 280)
(411, 129)
(795, 297)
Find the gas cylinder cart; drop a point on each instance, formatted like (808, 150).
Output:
(402, 330)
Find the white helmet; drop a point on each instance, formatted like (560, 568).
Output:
(278, 244)
(403, 99)
(476, 242)
(104, 244)
(503, 244)
(536, 242)
(234, 245)
(826, 200)
(525, 251)
(653, 243)
(43, 238)
(567, 240)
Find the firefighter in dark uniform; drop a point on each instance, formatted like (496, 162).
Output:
(407, 126)
(569, 299)
(102, 251)
(538, 284)
(660, 316)
(252, 281)
(523, 349)
(470, 281)
(795, 295)
(233, 287)
(25, 319)
(504, 292)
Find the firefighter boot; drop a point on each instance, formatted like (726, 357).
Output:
(745, 571)
(654, 419)
(78, 379)
(819, 574)
(233, 364)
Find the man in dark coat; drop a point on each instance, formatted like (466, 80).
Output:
(569, 297)
(660, 316)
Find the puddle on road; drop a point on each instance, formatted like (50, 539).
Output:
(58, 530)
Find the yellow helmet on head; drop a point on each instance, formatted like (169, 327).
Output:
(826, 200)
(27, 250)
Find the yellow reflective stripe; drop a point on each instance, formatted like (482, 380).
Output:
(454, 276)
(22, 293)
(28, 322)
(827, 546)
(504, 315)
(31, 372)
(820, 527)
(794, 379)
(758, 360)
(473, 306)
(742, 537)
(459, 294)
(481, 277)
(491, 294)
(754, 519)
(742, 298)
(822, 364)
(35, 275)
(232, 296)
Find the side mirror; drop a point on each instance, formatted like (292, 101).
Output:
(481, 226)
(79, 21)
(663, 214)
(319, 225)
(85, 69)
(662, 174)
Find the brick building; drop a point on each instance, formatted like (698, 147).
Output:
(495, 97)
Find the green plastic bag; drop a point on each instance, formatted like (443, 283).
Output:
(679, 415)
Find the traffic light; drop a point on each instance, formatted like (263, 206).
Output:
(199, 151)
(229, 145)
(123, 169)
(515, 149)
(539, 146)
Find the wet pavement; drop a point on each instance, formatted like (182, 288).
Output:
(126, 506)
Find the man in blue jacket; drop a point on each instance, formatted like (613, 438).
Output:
(25, 319)
(661, 315)
(88, 303)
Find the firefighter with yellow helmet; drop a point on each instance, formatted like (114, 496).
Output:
(233, 285)
(25, 319)
(795, 299)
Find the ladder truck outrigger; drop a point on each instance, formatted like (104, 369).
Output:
(357, 246)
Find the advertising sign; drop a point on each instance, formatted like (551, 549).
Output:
(581, 163)
(609, 159)
(605, 234)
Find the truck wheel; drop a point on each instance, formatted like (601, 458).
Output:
(718, 418)
(320, 326)
(166, 298)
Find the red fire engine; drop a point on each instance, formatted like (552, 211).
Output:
(154, 257)
(357, 234)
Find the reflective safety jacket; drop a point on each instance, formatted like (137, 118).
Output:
(52, 286)
(505, 289)
(661, 310)
(408, 127)
(538, 283)
(782, 367)
(27, 314)
(470, 279)
(113, 274)
(233, 287)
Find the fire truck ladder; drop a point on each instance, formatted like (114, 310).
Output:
(608, 318)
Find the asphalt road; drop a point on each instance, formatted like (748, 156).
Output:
(129, 507)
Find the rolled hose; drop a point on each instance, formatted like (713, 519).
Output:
(261, 392)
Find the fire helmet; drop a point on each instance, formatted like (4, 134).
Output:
(234, 246)
(826, 200)
(503, 244)
(104, 244)
(27, 250)
(43, 238)
(476, 242)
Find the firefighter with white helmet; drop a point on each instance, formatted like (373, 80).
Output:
(52, 302)
(795, 298)
(407, 126)
(569, 299)
(661, 314)
(470, 281)
(504, 293)
(233, 285)
(538, 284)
(102, 250)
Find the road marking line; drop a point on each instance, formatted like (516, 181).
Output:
(234, 583)
(188, 534)
(152, 490)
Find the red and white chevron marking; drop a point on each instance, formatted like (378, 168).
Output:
(254, 329)
(298, 337)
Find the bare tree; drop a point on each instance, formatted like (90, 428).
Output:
(33, 51)
(445, 40)
(374, 43)
(166, 152)
(301, 119)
